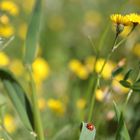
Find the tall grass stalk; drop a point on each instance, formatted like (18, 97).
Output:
(36, 113)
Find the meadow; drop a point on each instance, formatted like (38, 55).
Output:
(69, 70)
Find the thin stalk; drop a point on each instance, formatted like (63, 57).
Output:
(97, 80)
(93, 45)
(36, 112)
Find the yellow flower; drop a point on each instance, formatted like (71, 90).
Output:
(41, 69)
(81, 103)
(107, 69)
(10, 7)
(42, 104)
(17, 67)
(56, 106)
(6, 31)
(120, 19)
(134, 18)
(79, 69)
(4, 19)
(100, 95)
(4, 60)
(74, 65)
(136, 50)
(89, 62)
(9, 123)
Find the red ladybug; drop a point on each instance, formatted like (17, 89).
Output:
(90, 126)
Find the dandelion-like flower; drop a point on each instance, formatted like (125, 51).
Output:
(120, 19)
(133, 18)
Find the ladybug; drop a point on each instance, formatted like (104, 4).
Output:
(90, 126)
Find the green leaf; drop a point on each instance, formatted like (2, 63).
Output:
(18, 98)
(33, 34)
(122, 132)
(87, 134)
(127, 75)
(117, 71)
(125, 83)
(136, 86)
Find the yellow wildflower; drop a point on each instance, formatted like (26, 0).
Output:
(79, 69)
(56, 106)
(136, 50)
(41, 69)
(4, 60)
(81, 103)
(17, 67)
(74, 65)
(6, 31)
(4, 19)
(42, 104)
(100, 95)
(10, 7)
(89, 62)
(107, 69)
(9, 123)
(134, 18)
(120, 19)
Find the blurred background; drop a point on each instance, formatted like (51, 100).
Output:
(64, 63)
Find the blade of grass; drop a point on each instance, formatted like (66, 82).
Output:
(33, 34)
(18, 98)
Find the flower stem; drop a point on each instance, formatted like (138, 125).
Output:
(36, 112)
(97, 80)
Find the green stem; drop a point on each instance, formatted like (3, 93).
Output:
(97, 80)
(95, 85)
(36, 112)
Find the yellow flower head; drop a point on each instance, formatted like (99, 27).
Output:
(9, 123)
(120, 19)
(79, 69)
(100, 95)
(10, 7)
(56, 106)
(4, 19)
(107, 69)
(134, 18)
(81, 103)
(6, 31)
(41, 69)
(4, 59)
